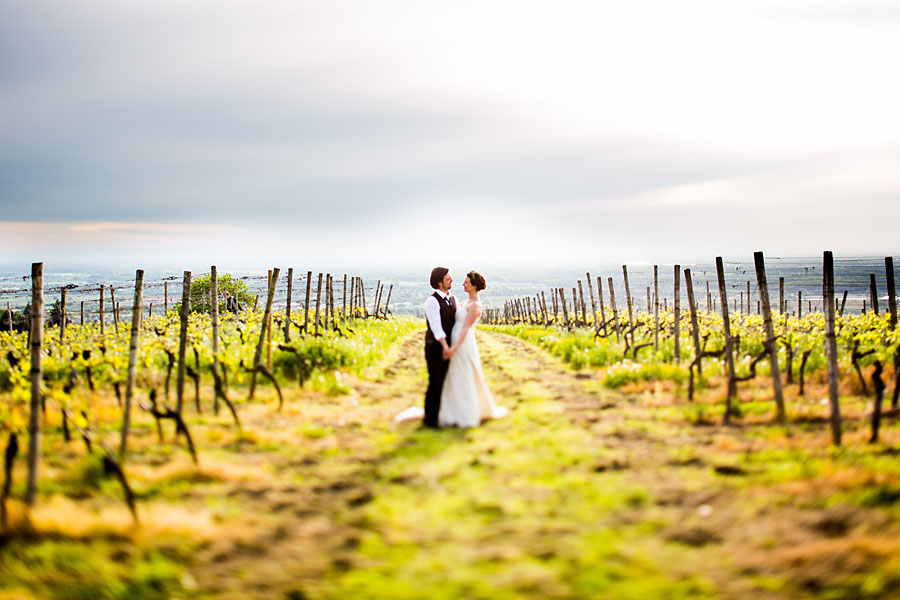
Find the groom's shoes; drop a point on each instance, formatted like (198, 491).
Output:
(429, 425)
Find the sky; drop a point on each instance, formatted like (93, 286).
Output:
(414, 133)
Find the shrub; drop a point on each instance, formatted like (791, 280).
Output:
(200, 287)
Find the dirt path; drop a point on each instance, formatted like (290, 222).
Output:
(579, 492)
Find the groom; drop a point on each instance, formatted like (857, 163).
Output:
(440, 313)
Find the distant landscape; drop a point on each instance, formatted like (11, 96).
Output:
(410, 289)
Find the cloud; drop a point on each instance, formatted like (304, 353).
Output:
(871, 12)
(802, 209)
(328, 121)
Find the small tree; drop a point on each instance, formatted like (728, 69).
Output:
(20, 319)
(56, 315)
(226, 283)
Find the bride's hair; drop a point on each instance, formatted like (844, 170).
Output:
(477, 280)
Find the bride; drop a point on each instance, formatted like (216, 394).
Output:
(465, 397)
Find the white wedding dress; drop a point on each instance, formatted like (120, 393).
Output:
(465, 397)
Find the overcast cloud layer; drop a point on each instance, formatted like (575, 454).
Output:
(499, 132)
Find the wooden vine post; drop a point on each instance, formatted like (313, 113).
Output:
(873, 293)
(182, 340)
(361, 298)
(287, 309)
(115, 307)
(729, 341)
(593, 303)
(781, 295)
(581, 303)
(353, 297)
(132, 358)
(600, 302)
(166, 296)
(892, 291)
(562, 299)
(271, 285)
(695, 326)
(344, 309)
(771, 346)
(102, 317)
(257, 358)
(708, 297)
(544, 303)
(331, 299)
(387, 302)
(214, 309)
(615, 310)
(306, 303)
(318, 302)
(892, 306)
(677, 307)
(62, 315)
(831, 347)
(748, 296)
(327, 301)
(656, 308)
(377, 298)
(574, 307)
(629, 299)
(9, 315)
(332, 303)
(34, 418)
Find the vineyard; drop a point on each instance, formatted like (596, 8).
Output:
(730, 344)
(679, 451)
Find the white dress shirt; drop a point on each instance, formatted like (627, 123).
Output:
(433, 314)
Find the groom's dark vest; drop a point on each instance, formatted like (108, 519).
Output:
(448, 317)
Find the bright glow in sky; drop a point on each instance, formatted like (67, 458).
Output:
(410, 133)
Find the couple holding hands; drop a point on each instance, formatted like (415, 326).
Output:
(457, 393)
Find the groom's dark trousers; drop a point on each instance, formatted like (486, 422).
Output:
(437, 370)
(437, 366)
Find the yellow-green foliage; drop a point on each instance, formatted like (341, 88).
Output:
(106, 356)
(578, 347)
(581, 348)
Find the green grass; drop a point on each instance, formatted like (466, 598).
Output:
(514, 509)
(97, 569)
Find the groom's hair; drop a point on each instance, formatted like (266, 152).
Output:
(437, 276)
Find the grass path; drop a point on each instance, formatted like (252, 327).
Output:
(582, 492)
(532, 505)
(573, 495)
